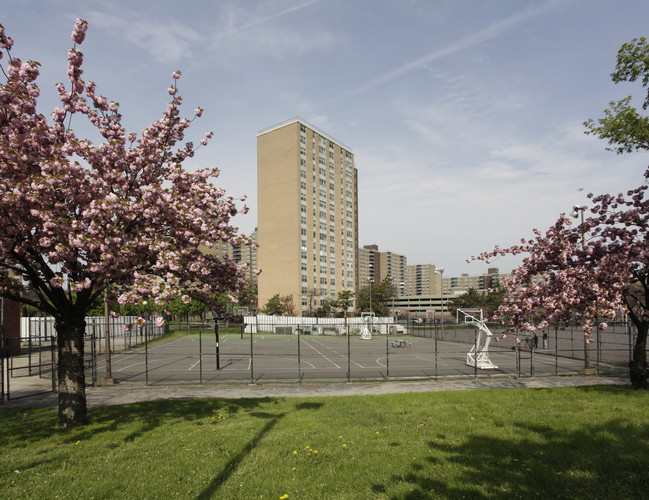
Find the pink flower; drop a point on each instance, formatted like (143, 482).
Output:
(79, 32)
(176, 75)
(160, 322)
(198, 111)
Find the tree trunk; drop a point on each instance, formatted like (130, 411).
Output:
(638, 366)
(72, 383)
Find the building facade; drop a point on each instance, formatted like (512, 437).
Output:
(423, 280)
(307, 225)
(374, 266)
(243, 254)
(482, 283)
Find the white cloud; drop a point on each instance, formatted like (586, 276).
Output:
(165, 40)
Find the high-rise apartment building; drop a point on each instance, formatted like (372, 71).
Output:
(374, 266)
(423, 280)
(243, 254)
(490, 280)
(307, 226)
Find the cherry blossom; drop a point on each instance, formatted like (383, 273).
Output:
(82, 216)
(590, 272)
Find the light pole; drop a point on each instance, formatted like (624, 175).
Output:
(576, 210)
(440, 271)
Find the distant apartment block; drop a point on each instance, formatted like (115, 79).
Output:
(481, 283)
(307, 215)
(375, 266)
(245, 254)
(423, 280)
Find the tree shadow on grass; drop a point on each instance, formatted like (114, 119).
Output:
(603, 460)
(29, 426)
(234, 462)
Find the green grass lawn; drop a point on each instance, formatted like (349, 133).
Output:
(517, 443)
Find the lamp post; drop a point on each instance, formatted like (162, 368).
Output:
(440, 271)
(576, 210)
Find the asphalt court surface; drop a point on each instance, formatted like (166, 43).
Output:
(192, 358)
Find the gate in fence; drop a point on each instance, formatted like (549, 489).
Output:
(28, 368)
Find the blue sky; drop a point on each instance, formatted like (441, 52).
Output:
(465, 117)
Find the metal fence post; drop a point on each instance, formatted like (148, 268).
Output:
(54, 363)
(2, 367)
(299, 367)
(532, 349)
(349, 355)
(387, 350)
(200, 354)
(146, 357)
(252, 357)
(475, 353)
(435, 346)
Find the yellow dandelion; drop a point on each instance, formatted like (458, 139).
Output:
(558, 473)
(377, 432)
(294, 452)
(294, 468)
(77, 443)
(283, 497)
(315, 451)
(344, 445)
(340, 437)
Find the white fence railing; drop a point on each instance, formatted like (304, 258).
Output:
(290, 324)
(42, 327)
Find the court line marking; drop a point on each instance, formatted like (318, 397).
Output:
(343, 355)
(322, 354)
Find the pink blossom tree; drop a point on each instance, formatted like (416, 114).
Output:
(591, 271)
(78, 217)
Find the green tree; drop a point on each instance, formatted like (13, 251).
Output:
(473, 299)
(183, 309)
(248, 296)
(377, 298)
(622, 126)
(274, 306)
(343, 302)
(324, 311)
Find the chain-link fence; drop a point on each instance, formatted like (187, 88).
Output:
(263, 350)
(204, 353)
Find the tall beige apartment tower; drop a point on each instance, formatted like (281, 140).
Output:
(307, 222)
